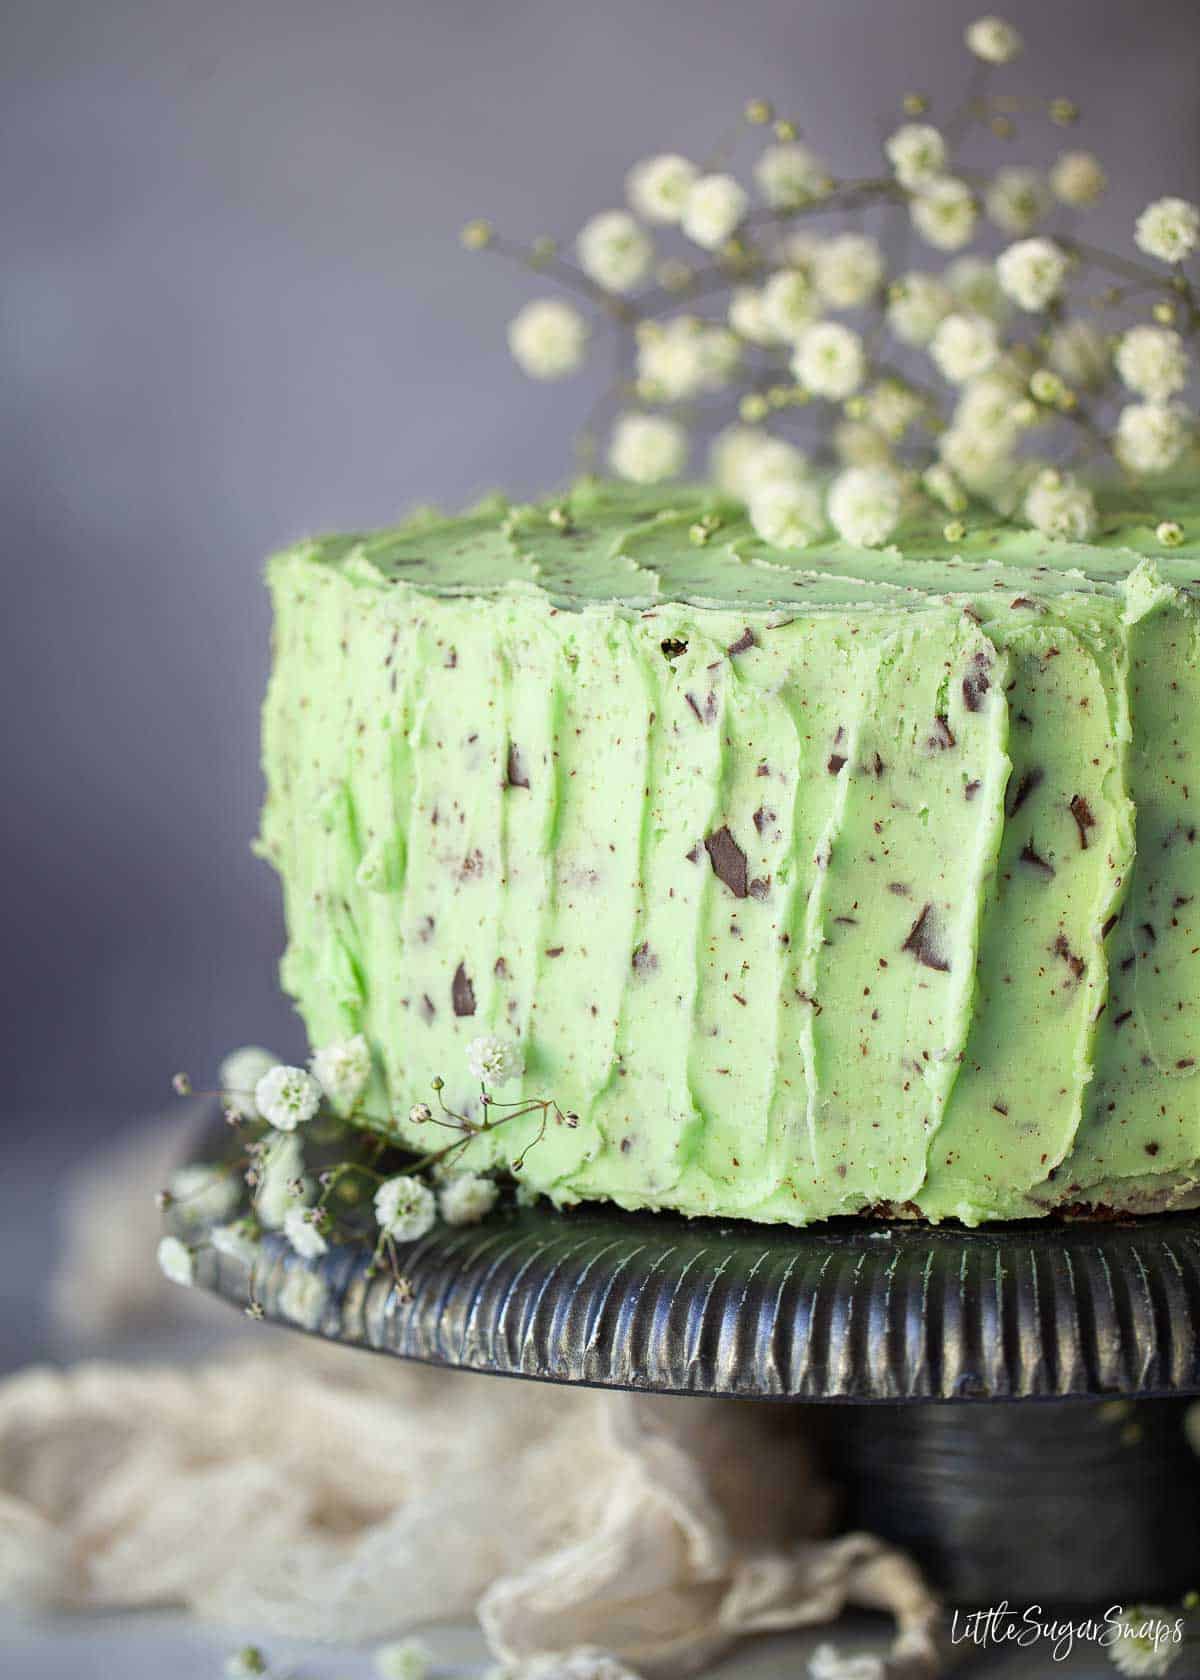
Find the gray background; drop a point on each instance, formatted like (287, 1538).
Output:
(233, 310)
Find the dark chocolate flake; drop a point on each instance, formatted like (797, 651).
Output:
(1082, 812)
(1030, 781)
(743, 644)
(462, 992)
(1035, 860)
(644, 960)
(942, 736)
(728, 861)
(1074, 963)
(836, 763)
(672, 649)
(516, 775)
(922, 942)
(971, 789)
(976, 682)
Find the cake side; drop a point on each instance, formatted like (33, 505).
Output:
(812, 883)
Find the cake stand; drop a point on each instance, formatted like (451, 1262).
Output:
(971, 1389)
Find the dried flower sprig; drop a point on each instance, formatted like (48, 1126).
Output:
(273, 1103)
(992, 380)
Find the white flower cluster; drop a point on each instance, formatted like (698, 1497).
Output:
(962, 378)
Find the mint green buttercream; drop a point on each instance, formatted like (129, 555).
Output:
(812, 881)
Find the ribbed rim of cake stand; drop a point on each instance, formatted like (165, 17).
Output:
(851, 1310)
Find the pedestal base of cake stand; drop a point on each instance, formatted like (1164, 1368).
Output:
(967, 1385)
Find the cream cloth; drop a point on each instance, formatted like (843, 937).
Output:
(307, 1490)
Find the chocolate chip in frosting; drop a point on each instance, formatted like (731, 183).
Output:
(462, 992)
(976, 682)
(728, 861)
(942, 736)
(922, 942)
(516, 775)
(743, 644)
(1082, 812)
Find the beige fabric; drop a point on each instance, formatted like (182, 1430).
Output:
(309, 1490)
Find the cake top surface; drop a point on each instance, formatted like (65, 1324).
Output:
(610, 543)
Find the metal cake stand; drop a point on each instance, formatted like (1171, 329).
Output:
(971, 1389)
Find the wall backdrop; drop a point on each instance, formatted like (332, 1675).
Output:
(233, 310)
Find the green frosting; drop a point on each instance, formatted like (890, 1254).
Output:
(812, 881)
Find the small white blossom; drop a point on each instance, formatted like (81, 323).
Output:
(614, 251)
(829, 360)
(714, 206)
(303, 1235)
(493, 1060)
(787, 514)
(1077, 179)
(917, 304)
(175, 1261)
(678, 359)
(1079, 352)
(405, 1208)
(789, 304)
(986, 403)
(581, 1662)
(281, 1169)
(848, 270)
(287, 1097)
(1017, 199)
(974, 283)
(466, 1199)
(1058, 506)
(1168, 229)
(235, 1242)
(788, 176)
(1146, 1642)
(1153, 361)
(982, 460)
(203, 1194)
(748, 315)
(657, 187)
(647, 448)
(891, 407)
(857, 443)
(240, 1073)
(772, 461)
(406, 1659)
(548, 338)
(940, 483)
(993, 40)
(1151, 437)
(917, 154)
(1032, 272)
(303, 1297)
(965, 346)
(944, 213)
(730, 454)
(342, 1070)
(245, 1664)
(865, 504)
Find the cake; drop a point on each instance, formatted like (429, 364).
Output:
(819, 882)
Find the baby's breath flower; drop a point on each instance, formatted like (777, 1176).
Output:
(1017, 199)
(787, 513)
(857, 443)
(974, 283)
(420, 1114)
(993, 40)
(614, 251)
(1079, 352)
(965, 346)
(342, 1070)
(1153, 361)
(476, 235)
(944, 213)
(940, 483)
(240, 1072)
(829, 360)
(657, 187)
(202, 1194)
(493, 1060)
(1169, 532)
(1058, 506)
(235, 1242)
(1168, 229)
(548, 338)
(789, 304)
(772, 461)
(748, 315)
(176, 1262)
(406, 1659)
(891, 406)
(405, 1208)
(303, 1297)
(1144, 1642)
(917, 304)
(281, 1168)
(1032, 272)
(181, 1084)
(1077, 179)
(917, 154)
(647, 448)
(714, 206)
(729, 454)
(671, 364)
(466, 1198)
(1151, 436)
(865, 504)
(287, 1097)
(245, 1664)
(303, 1235)
(848, 270)
(788, 176)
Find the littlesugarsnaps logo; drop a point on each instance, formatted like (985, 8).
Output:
(1137, 1632)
